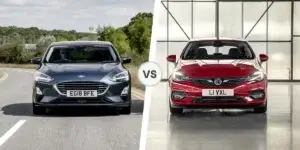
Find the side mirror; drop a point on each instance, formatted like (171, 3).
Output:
(126, 60)
(171, 58)
(263, 57)
(36, 60)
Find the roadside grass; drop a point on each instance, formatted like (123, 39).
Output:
(24, 66)
(132, 69)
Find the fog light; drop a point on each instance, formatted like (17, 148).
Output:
(125, 91)
(257, 95)
(38, 91)
(177, 95)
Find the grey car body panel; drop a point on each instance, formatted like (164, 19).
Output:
(92, 72)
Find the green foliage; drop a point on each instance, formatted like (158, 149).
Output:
(33, 34)
(132, 39)
(26, 57)
(44, 42)
(11, 52)
(140, 34)
(115, 36)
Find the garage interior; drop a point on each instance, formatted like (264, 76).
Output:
(272, 28)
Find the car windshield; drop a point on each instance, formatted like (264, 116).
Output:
(206, 50)
(81, 54)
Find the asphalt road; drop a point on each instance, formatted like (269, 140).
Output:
(74, 129)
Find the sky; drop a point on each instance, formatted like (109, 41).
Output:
(70, 14)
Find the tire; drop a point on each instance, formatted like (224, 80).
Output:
(126, 110)
(261, 109)
(38, 110)
(175, 111)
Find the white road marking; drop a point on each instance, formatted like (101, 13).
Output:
(138, 95)
(5, 75)
(11, 131)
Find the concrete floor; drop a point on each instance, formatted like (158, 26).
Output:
(227, 129)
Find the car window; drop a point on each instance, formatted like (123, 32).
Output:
(198, 50)
(81, 54)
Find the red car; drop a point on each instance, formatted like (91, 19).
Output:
(218, 73)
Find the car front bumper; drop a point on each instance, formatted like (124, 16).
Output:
(242, 98)
(48, 95)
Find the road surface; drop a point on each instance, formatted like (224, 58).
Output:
(61, 130)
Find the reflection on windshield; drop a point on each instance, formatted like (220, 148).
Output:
(81, 54)
(202, 50)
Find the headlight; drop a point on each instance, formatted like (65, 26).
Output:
(120, 77)
(256, 76)
(179, 76)
(41, 77)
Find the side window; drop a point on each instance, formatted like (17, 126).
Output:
(113, 53)
(49, 53)
(187, 51)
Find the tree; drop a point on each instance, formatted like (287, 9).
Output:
(61, 38)
(139, 31)
(115, 36)
(43, 43)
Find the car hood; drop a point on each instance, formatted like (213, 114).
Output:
(218, 68)
(72, 71)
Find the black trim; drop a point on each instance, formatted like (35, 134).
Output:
(82, 105)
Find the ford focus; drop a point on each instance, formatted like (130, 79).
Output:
(81, 73)
(218, 73)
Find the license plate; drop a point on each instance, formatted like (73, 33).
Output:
(217, 92)
(81, 93)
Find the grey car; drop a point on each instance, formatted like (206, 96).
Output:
(81, 73)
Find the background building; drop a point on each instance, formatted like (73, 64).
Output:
(272, 27)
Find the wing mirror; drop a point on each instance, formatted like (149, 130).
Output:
(126, 60)
(171, 58)
(263, 57)
(36, 60)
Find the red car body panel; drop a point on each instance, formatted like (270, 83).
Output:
(241, 91)
(218, 69)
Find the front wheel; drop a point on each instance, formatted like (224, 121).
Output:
(175, 111)
(126, 110)
(261, 109)
(38, 110)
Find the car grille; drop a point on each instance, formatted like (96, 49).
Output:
(231, 99)
(101, 100)
(82, 85)
(225, 82)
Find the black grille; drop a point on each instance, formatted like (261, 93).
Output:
(81, 101)
(82, 85)
(231, 99)
(225, 82)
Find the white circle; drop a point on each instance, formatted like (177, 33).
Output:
(150, 73)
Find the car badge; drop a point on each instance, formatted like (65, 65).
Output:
(218, 81)
(81, 76)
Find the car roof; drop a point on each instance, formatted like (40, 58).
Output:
(68, 43)
(220, 38)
